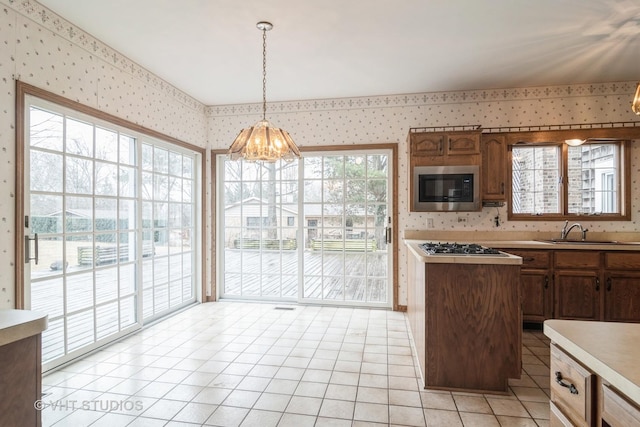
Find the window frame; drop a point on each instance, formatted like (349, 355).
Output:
(621, 136)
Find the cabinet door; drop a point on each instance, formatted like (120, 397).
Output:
(427, 144)
(622, 296)
(494, 167)
(536, 295)
(463, 144)
(577, 294)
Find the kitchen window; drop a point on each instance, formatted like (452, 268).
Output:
(554, 180)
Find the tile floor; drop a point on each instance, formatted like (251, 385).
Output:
(249, 364)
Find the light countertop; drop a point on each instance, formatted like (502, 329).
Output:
(609, 349)
(19, 324)
(527, 240)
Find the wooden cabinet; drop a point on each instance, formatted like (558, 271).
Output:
(444, 148)
(494, 167)
(593, 373)
(621, 286)
(536, 284)
(617, 411)
(577, 285)
(572, 390)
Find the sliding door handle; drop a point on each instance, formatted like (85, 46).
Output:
(27, 249)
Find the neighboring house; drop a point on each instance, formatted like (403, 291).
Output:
(252, 219)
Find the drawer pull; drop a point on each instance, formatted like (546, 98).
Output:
(609, 284)
(528, 258)
(570, 386)
(597, 284)
(546, 282)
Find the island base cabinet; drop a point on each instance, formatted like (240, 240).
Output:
(572, 389)
(20, 382)
(618, 411)
(473, 331)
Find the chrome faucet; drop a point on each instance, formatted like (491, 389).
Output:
(565, 231)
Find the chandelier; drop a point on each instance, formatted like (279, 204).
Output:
(263, 141)
(635, 105)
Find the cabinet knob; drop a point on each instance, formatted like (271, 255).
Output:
(571, 387)
(546, 282)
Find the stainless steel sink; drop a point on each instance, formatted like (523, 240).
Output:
(580, 242)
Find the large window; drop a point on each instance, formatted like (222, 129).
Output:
(111, 219)
(554, 179)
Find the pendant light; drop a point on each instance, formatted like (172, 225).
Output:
(262, 141)
(635, 105)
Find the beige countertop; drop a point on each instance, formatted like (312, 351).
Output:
(460, 259)
(19, 324)
(527, 240)
(609, 349)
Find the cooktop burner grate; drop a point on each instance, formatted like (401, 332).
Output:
(432, 248)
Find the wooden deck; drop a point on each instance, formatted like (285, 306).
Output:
(357, 277)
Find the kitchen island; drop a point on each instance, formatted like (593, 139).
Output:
(600, 361)
(20, 366)
(465, 318)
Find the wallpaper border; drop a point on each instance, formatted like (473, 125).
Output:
(430, 98)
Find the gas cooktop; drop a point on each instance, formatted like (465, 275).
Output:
(432, 248)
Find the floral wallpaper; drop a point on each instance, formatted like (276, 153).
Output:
(43, 49)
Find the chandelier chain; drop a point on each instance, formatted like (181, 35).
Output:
(264, 74)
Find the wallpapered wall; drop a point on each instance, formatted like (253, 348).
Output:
(42, 49)
(382, 119)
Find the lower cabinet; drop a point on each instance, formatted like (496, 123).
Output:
(581, 398)
(572, 390)
(577, 294)
(535, 284)
(579, 285)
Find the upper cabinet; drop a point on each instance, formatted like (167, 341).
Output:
(494, 167)
(434, 148)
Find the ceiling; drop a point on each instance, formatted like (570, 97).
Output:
(212, 50)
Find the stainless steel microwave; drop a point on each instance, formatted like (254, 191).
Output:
(446, 188)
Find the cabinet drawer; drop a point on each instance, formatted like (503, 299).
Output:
(618, 411)
(557, 418)
(532, 259)
(572, 388)
(622, 260)
(577, 259)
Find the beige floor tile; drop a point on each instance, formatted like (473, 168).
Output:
(372, 395)
(406, 415)
(405, 398)
(259, 418)
(437, 400)
(272, 402)
(304, 405)
(478, 420)
(442, 418)
(515, 422)
(297, 420)
(538, 410)
(337, 409)
(341, 392)
(475, 404)
(371, 412)
(530, 394)
(164, 409)
(507, 407)
(242, 398)
(227, 416)
(194, 412)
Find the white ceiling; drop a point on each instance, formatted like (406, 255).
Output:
(212, 50)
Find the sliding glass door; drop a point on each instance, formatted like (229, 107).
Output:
(314, 230)
(110, 219)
